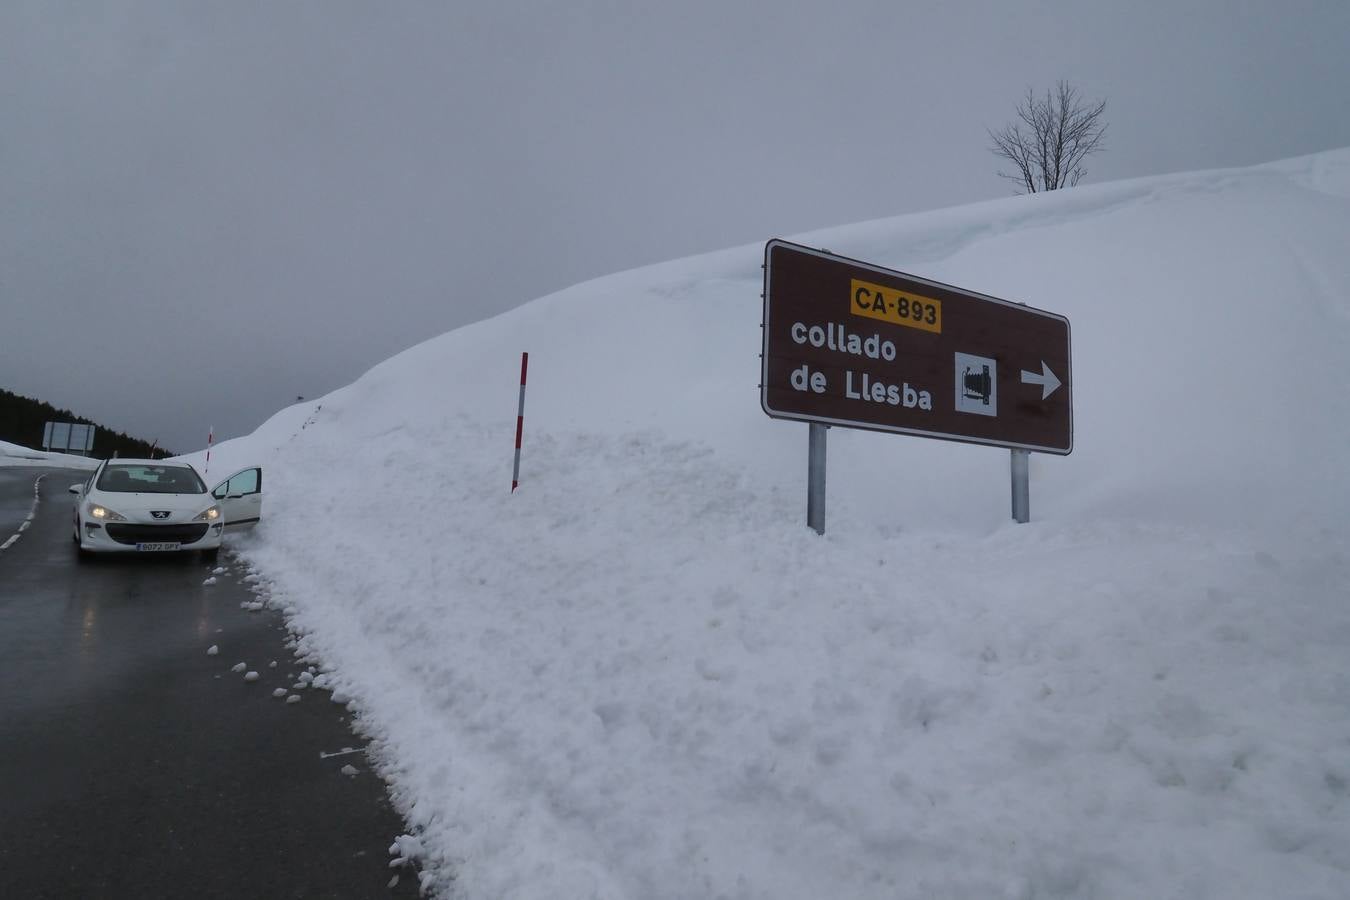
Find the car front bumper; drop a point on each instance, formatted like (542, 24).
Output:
(127, 537)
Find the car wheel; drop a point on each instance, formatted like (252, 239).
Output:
(211, 555)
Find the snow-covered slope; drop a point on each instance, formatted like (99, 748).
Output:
(15, 455)
(642, 676)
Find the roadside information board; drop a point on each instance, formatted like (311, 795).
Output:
(852, 344)
(65, 437)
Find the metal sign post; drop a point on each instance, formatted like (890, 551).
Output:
(1021, 486)
(815, 478)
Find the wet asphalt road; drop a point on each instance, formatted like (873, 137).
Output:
(16, 497)
(134, 765)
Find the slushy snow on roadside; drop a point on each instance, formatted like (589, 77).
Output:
(641, 676)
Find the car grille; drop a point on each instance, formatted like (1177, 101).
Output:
(137, 534)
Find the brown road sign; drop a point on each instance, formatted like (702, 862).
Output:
(852, 344)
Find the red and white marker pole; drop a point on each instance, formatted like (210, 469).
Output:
(210, 439)
(520, 421)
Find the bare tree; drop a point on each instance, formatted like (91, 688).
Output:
(1053, 135)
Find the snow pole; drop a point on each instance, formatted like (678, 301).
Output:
(210, 439)
(520, 422)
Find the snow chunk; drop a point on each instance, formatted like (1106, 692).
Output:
(293, 698)
(238, 667)
(349, 770)
(279, 692)
(211, 580)
(251, 676)
(407, 846)
(213, 650)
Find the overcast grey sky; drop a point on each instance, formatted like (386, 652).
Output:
(207, 209)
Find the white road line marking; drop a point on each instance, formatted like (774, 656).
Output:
(32, 514)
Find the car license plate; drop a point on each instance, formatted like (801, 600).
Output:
(160, 545)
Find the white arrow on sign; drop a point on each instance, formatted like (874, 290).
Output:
(1046, 380)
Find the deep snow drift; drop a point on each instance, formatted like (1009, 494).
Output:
(642, 676)
(15, 455)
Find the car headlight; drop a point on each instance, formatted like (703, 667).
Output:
(107, 515)
(209, 514)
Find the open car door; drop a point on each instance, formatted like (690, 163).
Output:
(240, 498)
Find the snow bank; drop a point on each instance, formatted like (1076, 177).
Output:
(642, 676)
(15, 455)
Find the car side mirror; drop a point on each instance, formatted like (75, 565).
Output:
(76, 488)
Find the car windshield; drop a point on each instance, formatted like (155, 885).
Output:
(149, 479)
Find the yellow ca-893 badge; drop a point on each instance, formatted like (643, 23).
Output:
(876, 301)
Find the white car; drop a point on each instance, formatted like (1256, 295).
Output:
(146, 505)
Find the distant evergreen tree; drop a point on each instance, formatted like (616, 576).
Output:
(22, 420)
